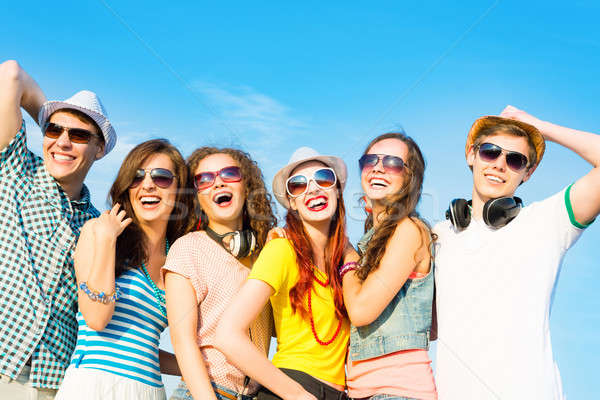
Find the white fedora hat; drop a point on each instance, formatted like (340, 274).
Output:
(88, 103)
(302, 155)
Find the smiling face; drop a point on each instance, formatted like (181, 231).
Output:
(494, 179)
(317, 204)
(223, 202)
(69, 162)
(379, 183)
(150, 202)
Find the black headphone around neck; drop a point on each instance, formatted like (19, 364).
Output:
(496, 212)
(240, 243)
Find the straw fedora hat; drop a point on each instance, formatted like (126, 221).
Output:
(488, 121)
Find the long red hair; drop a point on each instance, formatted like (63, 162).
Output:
(334, 252)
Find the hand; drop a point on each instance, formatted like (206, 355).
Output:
(512, 112)
(111, 224)
(276, 233)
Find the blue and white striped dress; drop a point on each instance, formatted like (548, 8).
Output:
(128, 345)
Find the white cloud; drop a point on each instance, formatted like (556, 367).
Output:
(252, 117)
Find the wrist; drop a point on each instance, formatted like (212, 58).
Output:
(344, 269)
(106, 239)
(547, 129)
(299, 392)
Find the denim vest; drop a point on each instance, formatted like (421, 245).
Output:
(403, 325)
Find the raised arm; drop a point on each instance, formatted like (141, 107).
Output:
(95, 264)
(182, 313)
(17, 89)
(585, 193)
(405, 252)
(233, 341)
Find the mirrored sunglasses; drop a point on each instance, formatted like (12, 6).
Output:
(297, 185)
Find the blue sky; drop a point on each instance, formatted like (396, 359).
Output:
(270, 77)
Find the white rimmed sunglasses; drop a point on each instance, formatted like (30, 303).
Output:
(297, 185)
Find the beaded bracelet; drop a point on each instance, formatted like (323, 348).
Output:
(349, 266)
(101, 297)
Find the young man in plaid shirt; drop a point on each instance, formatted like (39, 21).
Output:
(43, 205)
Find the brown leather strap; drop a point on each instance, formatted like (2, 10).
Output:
(225, 394)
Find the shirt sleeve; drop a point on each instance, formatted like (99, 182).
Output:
(184, 259)
(556, 212)
(14, 157)
(273, 264)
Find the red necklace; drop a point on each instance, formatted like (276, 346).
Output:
(312, 321)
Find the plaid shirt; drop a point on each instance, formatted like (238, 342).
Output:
(38, 291)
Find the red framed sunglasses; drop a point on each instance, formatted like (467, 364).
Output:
(204, 180)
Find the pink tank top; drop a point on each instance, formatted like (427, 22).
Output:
(405, 373)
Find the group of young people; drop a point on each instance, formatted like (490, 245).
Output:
(194, 245)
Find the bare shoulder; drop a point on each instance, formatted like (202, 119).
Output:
(409, 229)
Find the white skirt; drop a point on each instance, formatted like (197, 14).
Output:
(95, 384)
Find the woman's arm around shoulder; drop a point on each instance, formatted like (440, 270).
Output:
(406, 251)
(233, 341)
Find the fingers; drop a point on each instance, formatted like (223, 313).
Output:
(508, 112)
(126, 222)
(276, 233)
(117, 212)
(121, 215)
(115, 209)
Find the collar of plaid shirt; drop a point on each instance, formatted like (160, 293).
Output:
(38, 233)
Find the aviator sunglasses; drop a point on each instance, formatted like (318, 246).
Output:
(76, 135)
(160, 176)
(489, 152)
(205, 180)
(297, 185)
(391, 164)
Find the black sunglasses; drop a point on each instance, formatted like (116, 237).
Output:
(163, 178)
(489, 152)
(76, 135)
(391, 164)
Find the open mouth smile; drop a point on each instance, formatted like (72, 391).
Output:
(494, 179)
(318, 203)
(378, 183)
(150, 201)
(223, 199)
(62, 158)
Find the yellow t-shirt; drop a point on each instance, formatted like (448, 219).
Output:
(297, 348)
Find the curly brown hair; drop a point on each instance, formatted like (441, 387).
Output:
(131, 243)
(399, 205)
(258, 207)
